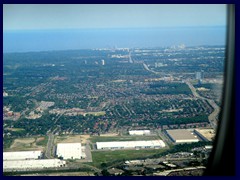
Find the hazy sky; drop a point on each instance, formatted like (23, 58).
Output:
(35, 16)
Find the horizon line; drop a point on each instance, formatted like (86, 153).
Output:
(110, 28)
(54, 50)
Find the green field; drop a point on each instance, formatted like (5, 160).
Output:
(15, 129)
(95, 139)
(100, 113)
(42, 142)
(111, 157)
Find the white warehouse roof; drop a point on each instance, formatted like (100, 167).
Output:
(21, 155)
(32, 164)
(69, 150)
(139, 132)
(130, 144)
(182, 136)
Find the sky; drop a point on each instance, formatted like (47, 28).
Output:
(78, 16)
(43, 27)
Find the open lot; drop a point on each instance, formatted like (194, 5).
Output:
(28, 144)
(109, 134)
(100, 113)
(71, 139)
(15, 129)
(110, 157)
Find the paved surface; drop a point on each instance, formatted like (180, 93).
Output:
(165, 139)
(88, 152)
(213, 116)
(49, 148)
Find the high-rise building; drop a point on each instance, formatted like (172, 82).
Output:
(103, 62)
(199, 75)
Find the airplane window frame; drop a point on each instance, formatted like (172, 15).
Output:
(222, 159)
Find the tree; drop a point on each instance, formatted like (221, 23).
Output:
(105, 172)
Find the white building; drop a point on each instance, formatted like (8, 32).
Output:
(23, 165)
(5, 94)
(199, 75)
(69, 150)
(130, 144)
(21, 155)
(103, 62)
(182, 136)
(139, 132)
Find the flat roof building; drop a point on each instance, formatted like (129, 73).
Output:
(21, 155)
(69, 150)
(139, 132)
(182, 136)
(130, 144)
(23, 165)
(205, 134)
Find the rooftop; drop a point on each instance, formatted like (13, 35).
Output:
(209, 134)
(21, 155)
(130, 144)
(69, 150)
(32, 164)
(182, 134)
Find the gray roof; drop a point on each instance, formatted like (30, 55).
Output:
(181, 134)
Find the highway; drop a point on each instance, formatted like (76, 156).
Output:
(130, 58)
(213, 116)
(146, 68)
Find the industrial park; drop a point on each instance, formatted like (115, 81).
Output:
(65, 153)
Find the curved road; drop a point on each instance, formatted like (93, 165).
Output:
(213, 116)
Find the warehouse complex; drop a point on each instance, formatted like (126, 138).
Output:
(139, 132)
(130, 144)
(181, 136)
(22, 155)
(24, 165)
(205, 134)
(28, 160)
(69, 150)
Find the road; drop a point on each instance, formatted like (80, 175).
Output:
(88, 152)
(146, 68)
(76, 165)
(164, 138)
(130, 58)
(213, 116)
(48, 153)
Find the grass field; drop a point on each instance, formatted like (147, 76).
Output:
(42, 141)
(110, 157)
(28, 144)
(95, 139)
(100, 113)
(15, 129)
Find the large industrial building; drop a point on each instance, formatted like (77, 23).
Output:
(130, 144)
(22, 155)
(23, 165)
(205, 134)
(69, 150)
(181, 136)
(139, 132)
